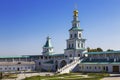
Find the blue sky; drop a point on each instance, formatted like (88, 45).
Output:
(25, 24)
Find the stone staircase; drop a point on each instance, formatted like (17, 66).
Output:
(69, 67)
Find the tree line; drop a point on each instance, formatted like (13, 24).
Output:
(97, 50)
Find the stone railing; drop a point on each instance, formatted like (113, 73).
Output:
(69, 66)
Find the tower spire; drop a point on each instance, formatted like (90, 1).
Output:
(75, 21)
(48, 42)
(48, 48)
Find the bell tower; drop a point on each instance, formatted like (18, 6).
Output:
(48, 48)
(75, 43)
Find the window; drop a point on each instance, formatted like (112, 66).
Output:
(49, 57)
(82, 45)
(78, 55)
(69, 45)
(39, 63)
(95, 67)
(72, 45)
(45, 57)
(70, 35)
(104, 68)
(28, 67)
(79, 35)
(75, 35)
(41, 57)
(70, 55)
(87, 67)
(78, 45)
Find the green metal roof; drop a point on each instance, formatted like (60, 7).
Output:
(62, 54)
(75, 28)
(75, 49)
(54, 54)
(48, 43)
(100, 63)
(49, 53)
(104, 52)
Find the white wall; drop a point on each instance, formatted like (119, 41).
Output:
(7, 68)
(99, 67)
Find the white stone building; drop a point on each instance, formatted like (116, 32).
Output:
(75, 46)
(108, 61)
(17, 63)
(74, 58)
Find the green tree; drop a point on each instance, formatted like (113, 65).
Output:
(110, 50)
(94, 50)
(99, 50)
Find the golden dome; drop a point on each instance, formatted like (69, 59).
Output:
(75, 12)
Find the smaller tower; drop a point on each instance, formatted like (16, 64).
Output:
(48, 48)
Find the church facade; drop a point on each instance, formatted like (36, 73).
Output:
(106, 61)
(74, 58)
(74, 48)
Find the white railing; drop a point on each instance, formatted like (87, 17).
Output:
(67, 68)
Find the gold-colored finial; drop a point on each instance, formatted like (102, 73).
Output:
(75, 12)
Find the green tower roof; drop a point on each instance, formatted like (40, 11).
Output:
(76, 28)
(48, 42)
